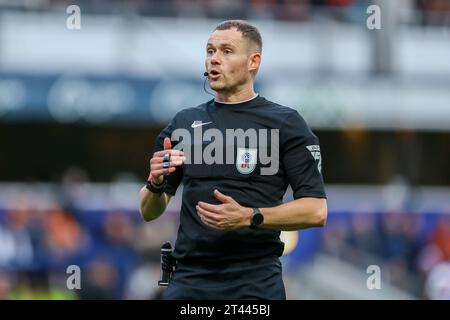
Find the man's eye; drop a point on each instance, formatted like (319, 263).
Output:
(210, 51)
(228, 51)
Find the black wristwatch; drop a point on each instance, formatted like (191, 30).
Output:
(156, 188)
(257, 219)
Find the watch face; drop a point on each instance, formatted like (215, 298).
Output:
(257, 219)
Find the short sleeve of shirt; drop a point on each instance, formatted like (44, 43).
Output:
(173, 179)
(301, 157)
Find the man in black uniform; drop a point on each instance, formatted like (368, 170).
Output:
(236, 156)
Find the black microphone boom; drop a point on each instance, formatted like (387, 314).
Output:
(205, 74)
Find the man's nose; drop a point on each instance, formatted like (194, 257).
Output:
(215, 58)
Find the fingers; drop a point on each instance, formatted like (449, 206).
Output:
(164, 162)
(172, 152)
(208, 214)
(210, 207)
(167, 143)
(158, 164)
(166, 165)
(221, 197)
(175, 159)
(208, 218)
(159, 172)
(209, 222)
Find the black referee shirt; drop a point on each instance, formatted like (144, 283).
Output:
(298, 164)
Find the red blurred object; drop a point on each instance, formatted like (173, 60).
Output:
(340, 3)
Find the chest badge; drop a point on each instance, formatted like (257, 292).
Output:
(246, 160)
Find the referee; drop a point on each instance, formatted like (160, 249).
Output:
(228, 243)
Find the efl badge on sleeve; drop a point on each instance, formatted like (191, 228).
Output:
(315, 152)
(246, 160)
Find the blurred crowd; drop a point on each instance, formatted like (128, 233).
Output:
(40, 237)
(110, 247)
(409, 247)
(425, 12)
(117, 253)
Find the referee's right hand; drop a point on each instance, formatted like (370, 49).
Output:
(157, 171)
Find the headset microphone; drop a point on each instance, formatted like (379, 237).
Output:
(205, 74)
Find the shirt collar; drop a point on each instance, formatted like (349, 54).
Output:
(237, 102)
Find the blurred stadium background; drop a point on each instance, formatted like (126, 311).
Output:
(80, 109)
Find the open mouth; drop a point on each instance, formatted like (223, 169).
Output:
(214, 74)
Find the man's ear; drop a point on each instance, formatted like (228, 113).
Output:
(254, 62)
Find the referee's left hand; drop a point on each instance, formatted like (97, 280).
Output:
(229, 215)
